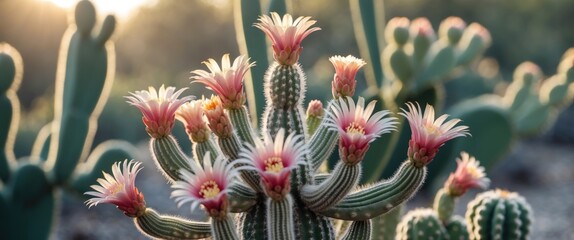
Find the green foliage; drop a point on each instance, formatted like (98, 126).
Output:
(29, 189)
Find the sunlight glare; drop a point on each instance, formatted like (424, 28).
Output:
(120, 8)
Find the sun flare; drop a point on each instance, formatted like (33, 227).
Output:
(120, 8)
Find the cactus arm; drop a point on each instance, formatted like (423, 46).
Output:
(169, 157)
(167, 227)
(242, 125)
(241, 198)
(107, 30)
(11, 68)
(343, 179)
(367, 14)
(381, 197)
(280, 218)
(199, 149)
(230, 146)
(319, 178)
(253, 223)
(41, 147)
(322, 142)
(250, 41)
(100, 160)
(223, 229)
(443, 205)
(358, 230)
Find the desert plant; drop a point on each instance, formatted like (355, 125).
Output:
(30, 185)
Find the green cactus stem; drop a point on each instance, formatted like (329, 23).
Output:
(241, 198)
(10, 78)
(81, 90)
(443, 205)
(498, 214)
(358, 230)
(241, 123)
(381, 197)
(250, 40)
(385, 226)
(280, 218)
(167, 227)
(199, 149)
(420, 224)
(343, 179)
(223, 229)
(169, 157)
(456, 228)
(322, 143)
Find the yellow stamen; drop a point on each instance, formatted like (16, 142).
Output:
(116, 188)
(355, 128)
(209, 189)
(274, 165)
(211, 104)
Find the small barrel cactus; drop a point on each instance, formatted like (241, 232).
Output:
(498, 214)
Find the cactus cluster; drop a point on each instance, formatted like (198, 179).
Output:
(62, 157)
(496, 214)
(267, 184)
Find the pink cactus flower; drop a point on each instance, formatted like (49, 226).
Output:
(428, 134)
(158, 108)
(346, 69)
(217, 119)
(469, 174)
(191, 115)
(120, 189)
(315, 109)
(274, 160)
(358, 127)
(286, 35)
(227, 80)
(208, 187)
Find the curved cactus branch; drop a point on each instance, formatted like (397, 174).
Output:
(381, 197)
(167, 227)
(343, 179)
(169, 157)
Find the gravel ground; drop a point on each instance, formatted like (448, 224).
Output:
(542, 172)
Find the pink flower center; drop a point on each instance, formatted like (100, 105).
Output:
(355, 128)
(274, 164)
(116, 188)
(431, 129)
(209, 189)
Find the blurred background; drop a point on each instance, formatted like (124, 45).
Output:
(161, 41)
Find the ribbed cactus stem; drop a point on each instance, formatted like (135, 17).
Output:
(242, 125)
(323, 142)
(381, 197)
(169, 157)
(241, 198)
(200, 148)
(420, 224)
(313, 124)
(358, 230)
(223, 229)
(167, 227)
(280, 218)
(343, 179)
(444, 205)
(284, 92)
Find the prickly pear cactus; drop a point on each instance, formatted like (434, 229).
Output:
(30, 184)
(499, 214)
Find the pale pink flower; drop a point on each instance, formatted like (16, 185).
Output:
(119, 189)
(422, 27)
(358, 127)
(207, 186)
(286, 35)
(274, 160)
(428, 134)
(217, 119)
(158, 108)
(469, 174)
(191, 115)
(227, 80)
(346, 69)
(315, 109)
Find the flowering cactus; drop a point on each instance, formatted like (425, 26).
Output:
(279, 193)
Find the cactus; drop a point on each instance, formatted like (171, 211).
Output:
(271, 179)
(497, 214)
(61, 156)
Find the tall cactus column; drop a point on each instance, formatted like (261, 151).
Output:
(81, 90)
(10, 78)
